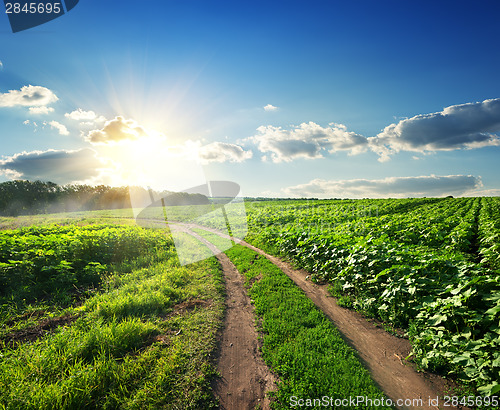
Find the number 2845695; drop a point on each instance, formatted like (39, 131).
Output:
(33, 8)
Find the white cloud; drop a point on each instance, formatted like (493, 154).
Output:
(464, 126)
(270, 107)
(89, 117)
(484, 192)
(1, 65)
(59, 166)
(42, 110)
(28, 96)
(308, 140)
(59, 127)
(34, 124)
(223, 152)
(116, 130)
(388, 187)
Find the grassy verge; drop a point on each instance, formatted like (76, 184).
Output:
(107, 216)
(299, 343)
(217, 240)
(144, 340)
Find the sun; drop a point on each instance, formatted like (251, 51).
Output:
(150, 161)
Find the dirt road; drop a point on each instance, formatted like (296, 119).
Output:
(381, 353)
(245, 378)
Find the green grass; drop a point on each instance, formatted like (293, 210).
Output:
(299, 343)
(45, 269)
(107, 216)
(140, 329)
(218, 241)
(141, 344)
(190, 249)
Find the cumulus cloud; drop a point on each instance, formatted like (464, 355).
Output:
(28, 96)
(1, 65)
(223, 152)
(59, 166)
(308, 140)
(388, 187)
(87, 116)
(270, 107)
(464, 126)
(59, 127)
(116, 130)
(42, 110)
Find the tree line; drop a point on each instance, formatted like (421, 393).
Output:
(21, 197)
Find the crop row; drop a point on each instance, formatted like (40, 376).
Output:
(39, 262)
(416, 269)
(489, 232)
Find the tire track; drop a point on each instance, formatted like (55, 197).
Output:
(244, 377)
(380, 352)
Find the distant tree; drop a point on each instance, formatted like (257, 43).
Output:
(34, 197)
(25, 197)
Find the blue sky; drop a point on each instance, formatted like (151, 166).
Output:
(318, 98)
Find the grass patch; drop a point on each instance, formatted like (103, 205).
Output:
(49, 268)
(218, 241)
(106, 216)
(128, 348)
(299, 343)
(190, 249)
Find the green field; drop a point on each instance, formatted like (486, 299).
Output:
(427, 266)
(102, 316)
(97, 312)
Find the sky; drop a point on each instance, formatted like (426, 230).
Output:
(326, 99)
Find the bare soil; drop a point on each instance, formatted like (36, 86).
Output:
(32, 333)
(245, 378)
